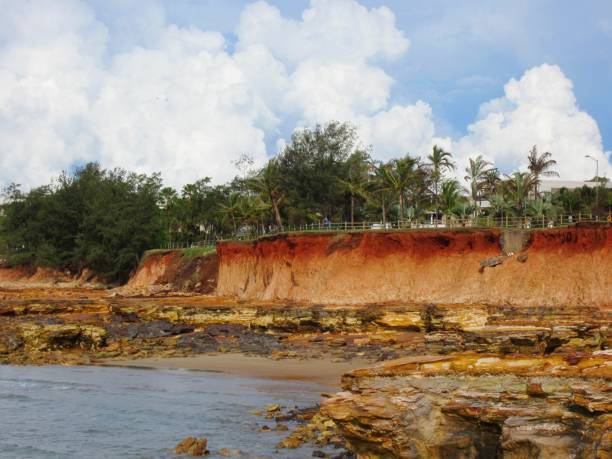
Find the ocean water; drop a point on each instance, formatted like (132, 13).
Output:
(105, 412)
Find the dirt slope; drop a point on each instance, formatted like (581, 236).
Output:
(556, 267)
(173, 271)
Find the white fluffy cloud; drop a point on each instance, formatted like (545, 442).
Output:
(329, 73)
(183, 107)
(46, 79)
(539, 109)
(329, 31)
(177, 100)
(184, 102)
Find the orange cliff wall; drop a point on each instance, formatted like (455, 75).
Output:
(171, 271)
(563, 266)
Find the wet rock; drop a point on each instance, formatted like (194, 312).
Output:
(345, 455)
(10, 342)
(50, 337)
(319, 430)
(273, 408)
(192, 446)
(227, 452)
(156, 329)
(198, 342)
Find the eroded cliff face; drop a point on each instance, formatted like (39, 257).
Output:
(24, 277)
(553, 267)
(167, 271)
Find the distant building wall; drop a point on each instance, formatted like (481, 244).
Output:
(547, 186)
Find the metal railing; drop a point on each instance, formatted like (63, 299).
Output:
(455, 223)
(247, 233)
(176, 245)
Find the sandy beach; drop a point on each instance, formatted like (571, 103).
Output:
(323, 371)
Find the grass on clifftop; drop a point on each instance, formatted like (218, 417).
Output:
(187, 253)
(192, 252)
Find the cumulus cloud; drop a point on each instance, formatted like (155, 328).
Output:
(177, 100)
(399, 130)
(539, 109)
(46, 79)
(329, 59)
(183, 101)
(183, 107)
(329, 31)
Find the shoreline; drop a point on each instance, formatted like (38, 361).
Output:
(326, 372)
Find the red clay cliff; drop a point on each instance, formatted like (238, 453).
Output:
(551, 267)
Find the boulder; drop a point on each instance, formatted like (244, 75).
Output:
(491, 262)
(477, 405)
(192, 446)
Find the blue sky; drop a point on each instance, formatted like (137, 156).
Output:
(456, 60)
(439, 68)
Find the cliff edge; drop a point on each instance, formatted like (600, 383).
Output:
(550, 267)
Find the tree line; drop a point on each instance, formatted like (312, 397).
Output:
(105, 219)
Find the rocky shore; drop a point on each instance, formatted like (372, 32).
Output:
(440, 379)
(452, 380)
(85, 326)
(478, 405)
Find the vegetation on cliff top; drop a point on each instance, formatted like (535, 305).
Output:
(104, 220)
(99, 219)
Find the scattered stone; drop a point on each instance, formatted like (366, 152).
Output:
(491, 262)
(319, 453)
(273, 408)
(522, 258)
(290, 443)
(265, 429)
(535, 389)
(192, 446)
(226, 452)
(281, 427)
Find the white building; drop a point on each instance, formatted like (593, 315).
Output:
(549, 186)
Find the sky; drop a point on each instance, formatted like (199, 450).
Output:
(185, 87)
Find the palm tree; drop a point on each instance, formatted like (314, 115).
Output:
(231, 208)
(463, 209)
(519, 184)
(449, 197)
(499, 204)
(491, 182)
(398, 175)
(359, 165)
(269, 185)
(476, 171)
(540, 165)
(252, 211)
(379, 188)
(439, 160)
(540, 208)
